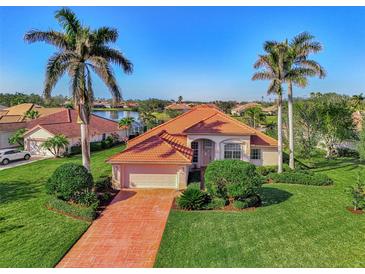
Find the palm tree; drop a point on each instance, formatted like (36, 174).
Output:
(299, 67)
(32, 114)
(148, 119)
(180, 99)
(254, 116)
(55, 144)
(126, 122)
(273, 64)
(80, 51)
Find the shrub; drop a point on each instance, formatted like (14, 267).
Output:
(358, 194)
(247, 202)
(195, 185)
(88, 198)
(266, 170)
(347, 152)
(69, 181)
(194, 176)
(300, 177)
(76, 211)
(216, 203)
(103, 184)
(193, 199)
(95, 146)
(105, 197)
(232, 178)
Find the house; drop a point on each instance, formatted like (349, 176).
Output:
(66, 122)
(163, 156)
(239, 109)
(14, 118)
(270, 110)
(179, 107)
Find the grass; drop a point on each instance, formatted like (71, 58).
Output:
(162, 116)
(298, 226)
(31, 235)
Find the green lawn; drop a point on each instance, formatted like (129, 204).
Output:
(298, 226)
(30, 235)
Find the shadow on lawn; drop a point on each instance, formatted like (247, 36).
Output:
(11, 191)
(271, 196)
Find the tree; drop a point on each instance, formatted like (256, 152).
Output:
(254, 116)
(361, 143)
(32, 114)
(148, 119)
(357, 102)
(299, 68)
(180, 99)
(17, 137)
(273, 70)
(336, 121)
(126, 122)
(80, 51)
(55, 144)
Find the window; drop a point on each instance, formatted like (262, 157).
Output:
(103, 137)
(10, 152)
(195, 148)
(255, 154)
(232, 151)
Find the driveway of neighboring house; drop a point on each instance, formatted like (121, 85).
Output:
(127, 234)
(22, 162)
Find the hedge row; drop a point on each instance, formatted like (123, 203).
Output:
(300, 177)
(73, 210)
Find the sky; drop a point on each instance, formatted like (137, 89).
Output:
(200, 53)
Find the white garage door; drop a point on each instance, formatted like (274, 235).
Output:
(153, 180)
(35, 148)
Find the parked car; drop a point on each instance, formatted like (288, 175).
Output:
(7, 155)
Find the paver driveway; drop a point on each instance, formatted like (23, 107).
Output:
(128, 233)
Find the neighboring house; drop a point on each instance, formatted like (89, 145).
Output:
(270, 110)
(13, 118)
(65, 122)
(239, 109)
(178, 106)
(163, 156)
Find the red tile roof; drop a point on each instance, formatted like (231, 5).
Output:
(65, 122)
(152, 146)
(159, 148)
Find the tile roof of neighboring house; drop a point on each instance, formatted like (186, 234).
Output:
(16, 113)
(65, 122)
(240, 108)
(272, 108)
(160, 148)
(178, 106)
(200, 119)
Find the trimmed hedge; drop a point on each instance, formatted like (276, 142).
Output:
(232, 178)
(247, 202)
(300, 177)
(69, 182)
(216, 203)
(73, 210)
(193, 199)
(266, 170)
(195, 185)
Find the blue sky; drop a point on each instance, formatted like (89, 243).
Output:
(201, 53)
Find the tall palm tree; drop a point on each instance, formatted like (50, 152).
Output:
(299, 67)
(126, 122)
(273, 65)
(80, 51)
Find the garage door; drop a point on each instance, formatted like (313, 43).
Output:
(153, 180)
(35, 148)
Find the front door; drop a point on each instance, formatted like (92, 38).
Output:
(207, 152)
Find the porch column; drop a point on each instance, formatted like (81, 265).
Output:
(217, 151)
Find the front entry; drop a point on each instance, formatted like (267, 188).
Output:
(207, 152)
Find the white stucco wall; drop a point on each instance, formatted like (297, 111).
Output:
(269, 156)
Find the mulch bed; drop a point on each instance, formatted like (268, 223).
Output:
(357, 211)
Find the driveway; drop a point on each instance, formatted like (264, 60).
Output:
(127, 234)
(23, 162)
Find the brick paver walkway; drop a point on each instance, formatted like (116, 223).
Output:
(128, 233)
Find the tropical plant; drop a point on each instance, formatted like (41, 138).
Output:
(361, 143)
(17, 137)
(299, 68)
(193, 199)
(180, 99)
(56, 144)
(80, 51)
(126, 122)
(273, 69)
(32, 114)
(254, 116)
(357, 102)
(357, 192)
(148, 119)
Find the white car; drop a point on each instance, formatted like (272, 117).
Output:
(11, 154)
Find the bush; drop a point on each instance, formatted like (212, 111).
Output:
(247, 202)
(76, 211)
(195, 185)
(88, 198)
(358, 194)
(193, 199)
(347, 152)
(266, 170)
(300, 177)
(69, 182)
(194, 176)
(96, 146)
(232, 178)
(216, 203)
(103, 184)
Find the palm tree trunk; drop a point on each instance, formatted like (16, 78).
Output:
(280, 134)
(85, 146)
(290, 122)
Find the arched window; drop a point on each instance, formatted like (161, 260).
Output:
(232, 151)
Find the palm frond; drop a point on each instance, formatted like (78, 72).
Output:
(114, 56)
(105, 35)
(263, 75)
(55, 38)
(311, 64)
(68, 20)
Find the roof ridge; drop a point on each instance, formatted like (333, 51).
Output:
(200, 121)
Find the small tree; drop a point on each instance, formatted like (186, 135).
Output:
(126, 122)
(358, 194)
(180, 99)
(17, 137)
(32, 114)
(254, 116)
(55, 144)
